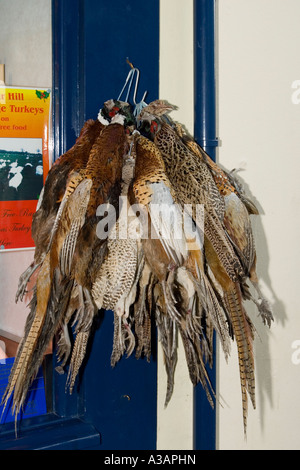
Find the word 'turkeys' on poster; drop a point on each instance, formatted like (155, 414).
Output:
(24, 161)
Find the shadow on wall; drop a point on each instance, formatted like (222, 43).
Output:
(262, 355)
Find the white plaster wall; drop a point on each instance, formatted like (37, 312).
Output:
(257, 64)
(25, 49)
(25, 42)
(258, 61)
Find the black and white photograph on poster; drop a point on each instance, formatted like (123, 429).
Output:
(21, 169)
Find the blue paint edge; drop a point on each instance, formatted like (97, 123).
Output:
(205, 135)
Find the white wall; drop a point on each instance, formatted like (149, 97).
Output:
(258, 60)
(25, 42)
(258, 127)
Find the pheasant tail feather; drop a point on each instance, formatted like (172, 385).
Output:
(243, 332)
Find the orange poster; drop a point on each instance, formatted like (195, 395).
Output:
(24, 161)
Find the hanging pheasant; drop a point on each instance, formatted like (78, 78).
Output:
(183, 264)
(181, 290)
(63, 286)
(55, 186)
(228, 251)
(115, 285)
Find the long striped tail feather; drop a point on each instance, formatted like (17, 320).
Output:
(243, 333)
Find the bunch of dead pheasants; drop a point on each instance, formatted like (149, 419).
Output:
(137, 219)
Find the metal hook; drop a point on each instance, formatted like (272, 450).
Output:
(136, 85)
(135, 89)
(130, 77)
(141, 104)
(133, 71)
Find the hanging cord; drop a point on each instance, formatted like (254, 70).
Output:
(141, 104)
(129, 77)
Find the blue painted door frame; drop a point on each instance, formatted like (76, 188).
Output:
(114, 409)
(205, 135)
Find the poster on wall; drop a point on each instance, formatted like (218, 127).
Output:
(24, 161)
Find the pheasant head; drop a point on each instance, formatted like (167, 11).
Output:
(152, 116)
(117, 111)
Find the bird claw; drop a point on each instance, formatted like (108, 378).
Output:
(263, 306)
(20, 293)
(60, 370)
(86, 311)
(265, 312)
(23, 281)
(170, 302)
(124, 338)
(128, 337)
(63, 348)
